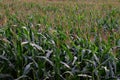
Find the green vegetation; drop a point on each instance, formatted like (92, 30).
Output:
(59, 40)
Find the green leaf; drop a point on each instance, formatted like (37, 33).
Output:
(65, 64)
(37, 47)
(46, 59)
(27, 68)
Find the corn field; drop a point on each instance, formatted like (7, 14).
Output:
(59, 40)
